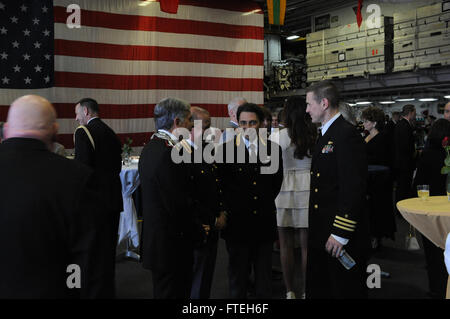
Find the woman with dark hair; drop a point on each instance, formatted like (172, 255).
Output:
(377, 145)
(297, 141)
(429, 173)
(379, 184)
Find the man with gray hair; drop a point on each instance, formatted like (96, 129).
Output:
(48, 215)
(170, 229)
(232, 112)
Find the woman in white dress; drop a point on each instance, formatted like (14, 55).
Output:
(297, 141)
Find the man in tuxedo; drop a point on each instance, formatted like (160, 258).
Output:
(337, 216)
(97, 146)
(389, 130)
(170, 228)
(404, 153)
(48, 211)
(209, 205)
(251, 175)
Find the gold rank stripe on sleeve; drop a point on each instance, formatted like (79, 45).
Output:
(343, 225)
(345, 220)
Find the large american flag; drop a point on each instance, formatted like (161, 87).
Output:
(128, 57)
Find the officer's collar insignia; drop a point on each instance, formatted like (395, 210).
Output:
(186, 145)
(165, 136)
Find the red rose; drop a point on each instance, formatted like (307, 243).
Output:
(445, 141)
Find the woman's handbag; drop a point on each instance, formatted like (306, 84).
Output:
(411, 239)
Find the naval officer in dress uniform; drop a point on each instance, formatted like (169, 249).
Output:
(209, 205)
(250, 193)
(170, 228)
(337, 216)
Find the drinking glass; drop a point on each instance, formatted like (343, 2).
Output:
(423, 191)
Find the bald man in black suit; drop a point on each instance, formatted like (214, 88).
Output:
(48, 212)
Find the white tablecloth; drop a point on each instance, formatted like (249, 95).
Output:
(128, 228)
(447, 253)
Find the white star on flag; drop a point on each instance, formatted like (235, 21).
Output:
(47, 79)
(5, 80)
(26, 37)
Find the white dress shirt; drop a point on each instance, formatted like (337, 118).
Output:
(447, 253)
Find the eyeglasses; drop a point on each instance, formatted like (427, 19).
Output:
(249, 123)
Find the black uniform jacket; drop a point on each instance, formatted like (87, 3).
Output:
(205, 189)
(170, 222)
(338, 186)
(250, 194)
(48, 219)
(106, 160)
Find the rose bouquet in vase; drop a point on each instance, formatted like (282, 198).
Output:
(126, 151)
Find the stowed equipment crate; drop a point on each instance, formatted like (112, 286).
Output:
(349, 51)
(421, 38)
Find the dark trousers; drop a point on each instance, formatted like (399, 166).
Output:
(326, 277)
(437, 272)
(203, 270)
(105, 255)
(174, 281)
(242, 256)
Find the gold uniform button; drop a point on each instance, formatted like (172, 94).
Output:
(203, 171)
(256, 197)
(316, 206)
(346, 216)
(254, 212)
(254, 183)
(318, 174)
(316, 190)
(217, 179)
(220, 204)
(240, 169)
(220, 191)
(312, 172)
